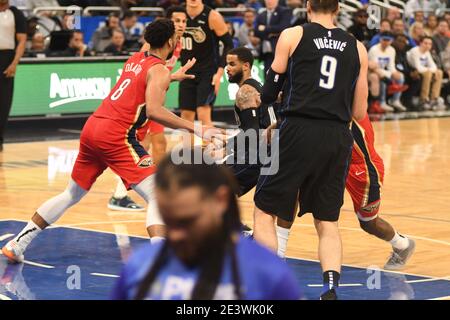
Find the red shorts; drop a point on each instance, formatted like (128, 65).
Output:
(151, 127)
(105, 143)
(364, 181)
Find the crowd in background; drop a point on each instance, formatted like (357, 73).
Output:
(409, 57)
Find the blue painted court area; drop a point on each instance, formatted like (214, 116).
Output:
(66, 263)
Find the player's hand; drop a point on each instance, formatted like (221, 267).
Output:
(10, 71)
(215, 135)
(216, 81)
(181, 74)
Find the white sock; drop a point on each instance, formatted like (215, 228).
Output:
(283, 236)
(121, 191)
(399, 242)
(24, 238)
(155, 240)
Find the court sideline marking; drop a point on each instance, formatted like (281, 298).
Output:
(289, 257)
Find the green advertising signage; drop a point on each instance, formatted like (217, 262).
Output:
(73, 87)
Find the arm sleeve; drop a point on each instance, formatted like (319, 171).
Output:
(20, 20)
(228, 44)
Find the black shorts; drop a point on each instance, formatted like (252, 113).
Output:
(313, 164)
(246, 175)
(197, 92)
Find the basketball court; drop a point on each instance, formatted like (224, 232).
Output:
(80, 257)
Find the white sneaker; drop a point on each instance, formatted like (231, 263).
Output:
(386, 107)
(441, 104)
(397, 105)
(13, 252)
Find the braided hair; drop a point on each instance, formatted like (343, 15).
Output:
(208, 177)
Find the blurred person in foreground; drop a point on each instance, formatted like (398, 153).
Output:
(204, 252)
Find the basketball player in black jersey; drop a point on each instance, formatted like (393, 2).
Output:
(205, 27)
(249, 116)
(326, 85)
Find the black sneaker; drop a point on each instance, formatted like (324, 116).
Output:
(124, 204)
(329, 295)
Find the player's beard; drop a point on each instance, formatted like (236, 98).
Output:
(237, 78)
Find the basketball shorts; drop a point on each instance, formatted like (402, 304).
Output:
(313, 160)
(151, 127)
(197, 92)
(106, 143)
(364, 181)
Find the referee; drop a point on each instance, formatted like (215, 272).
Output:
(12, 46)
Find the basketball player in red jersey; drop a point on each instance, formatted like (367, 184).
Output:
(364, 181)
(152, 133)
(108, 138)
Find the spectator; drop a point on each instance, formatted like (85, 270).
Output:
(382, 71)
(359, 28)
(416, 31)
(431, 25)
(248, 25)
(445, 57)
(412, 76)
(204, 250)
(385, 26)
(76, 47)
(447, 17)
(102, 36)
(398, 27)
(269, 25)
(12, 47)
(419, 16)
(426, 6)
(37, 46)
(441, 38)
(254, 4)
(393, 13)
(420, 59)
(128, 23)
(117, 46)
(233, 34)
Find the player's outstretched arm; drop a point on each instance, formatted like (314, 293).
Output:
(158, 81)
(361, 93)
(180, 74)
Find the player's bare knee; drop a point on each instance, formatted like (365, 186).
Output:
(369, 226)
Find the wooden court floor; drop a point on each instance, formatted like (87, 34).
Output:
(415, 198)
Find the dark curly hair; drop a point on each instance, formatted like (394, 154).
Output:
(159, 32)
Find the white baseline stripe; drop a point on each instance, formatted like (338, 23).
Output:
(6, 236)
(340, 285)
(31, 263)
(428, 280)
(104, 275)
(2, 297)
(441, 298)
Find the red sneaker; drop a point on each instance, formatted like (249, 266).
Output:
(375, 107)
(395, 87)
